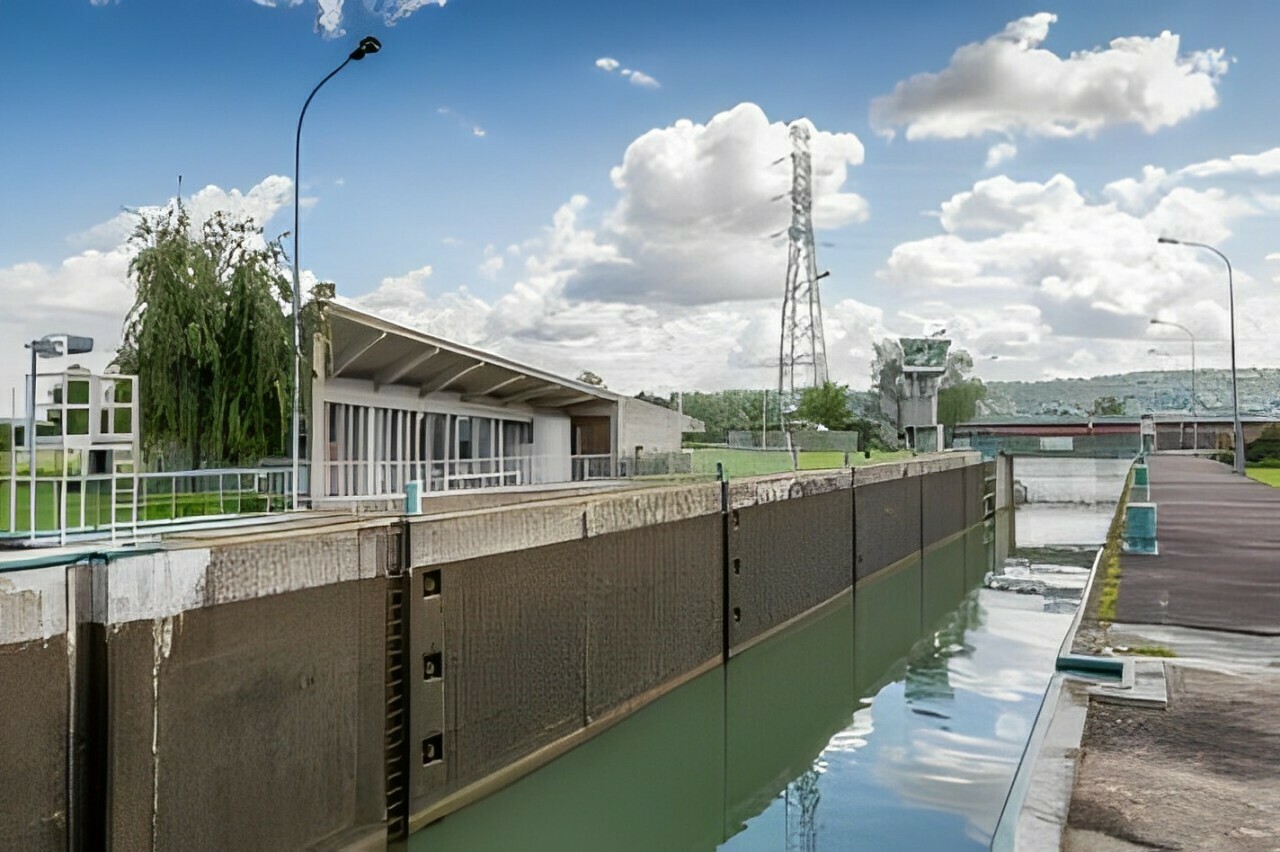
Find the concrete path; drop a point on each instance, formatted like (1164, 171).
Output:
(1219, 561)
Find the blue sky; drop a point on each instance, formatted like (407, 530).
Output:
(566, 235)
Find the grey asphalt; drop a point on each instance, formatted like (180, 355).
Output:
(1219, 560)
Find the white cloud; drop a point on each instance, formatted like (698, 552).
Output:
(331, 14)
(1266, 164)
(677, 286)
(1009, 84)
(1136, 195)
(89, 293)
(1040, 274)
(493, 262)
(637, 78)
(1001, 152)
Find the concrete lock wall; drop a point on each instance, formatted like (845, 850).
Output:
(333, 682)
(34, 685)
(535, 627)
(255, 671)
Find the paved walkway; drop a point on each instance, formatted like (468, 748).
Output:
(1219, 561)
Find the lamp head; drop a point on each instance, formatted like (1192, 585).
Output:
(1169, 241)
(367, 45)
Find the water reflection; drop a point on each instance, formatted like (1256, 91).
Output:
(927, 762)
(848, 731)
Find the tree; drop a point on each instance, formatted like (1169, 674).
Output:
(1107, 406)
(209, 339)
(886, 378)
(827, 406)
(959, 402)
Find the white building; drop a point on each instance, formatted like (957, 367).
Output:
(391, 404)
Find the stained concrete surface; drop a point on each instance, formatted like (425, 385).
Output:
(33, 744)
(1219, 561)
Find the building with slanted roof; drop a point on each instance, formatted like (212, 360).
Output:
(391, 404)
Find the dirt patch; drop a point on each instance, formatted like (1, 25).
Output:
(1202, 774)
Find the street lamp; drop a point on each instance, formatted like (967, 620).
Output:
(367, 46)
(1195, 427)
(1235, 389)
(49, 346)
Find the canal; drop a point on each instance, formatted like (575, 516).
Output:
(894, 718)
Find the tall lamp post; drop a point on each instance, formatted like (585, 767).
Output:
(1235, 388)
(49, 346)
(1195, 433)
(367, 45)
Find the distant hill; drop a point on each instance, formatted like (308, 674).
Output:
(1141, 393)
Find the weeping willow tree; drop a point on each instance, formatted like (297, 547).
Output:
(209, 339)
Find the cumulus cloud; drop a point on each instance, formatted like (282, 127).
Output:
(637, 78)
(1001, 152)
(89, 293)
(1266, 164)
(1038, 272)
(1010, 84)
(331, 14)
(677, 284)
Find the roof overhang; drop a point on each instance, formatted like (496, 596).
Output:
(370, 348)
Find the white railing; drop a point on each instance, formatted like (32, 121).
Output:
(388, 478)
(120, 503)
(363, 479)
(599, 466)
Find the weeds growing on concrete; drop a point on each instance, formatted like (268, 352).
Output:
(1110, 564)
(1149, 651)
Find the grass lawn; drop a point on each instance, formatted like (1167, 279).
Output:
(1269, 475)
(97, 506)
(739, 463)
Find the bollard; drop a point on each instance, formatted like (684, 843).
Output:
(413, 497)
(1140, 528)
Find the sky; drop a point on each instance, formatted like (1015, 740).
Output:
(599, 186)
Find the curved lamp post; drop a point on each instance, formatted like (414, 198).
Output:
(1195, 434)
(367, 46)
(1235, 392)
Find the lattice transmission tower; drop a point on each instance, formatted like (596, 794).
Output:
(802, 342)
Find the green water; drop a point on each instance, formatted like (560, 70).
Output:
(893, 720)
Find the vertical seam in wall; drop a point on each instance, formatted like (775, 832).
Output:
(923, 626)
(725, 560)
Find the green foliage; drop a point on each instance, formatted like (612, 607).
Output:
(730, 411)
(958, 403)
(826, 406)
(1265, 447)
(654, 399)
(1107, 406)
(209, 339)
(1109, 593)
(957, 395)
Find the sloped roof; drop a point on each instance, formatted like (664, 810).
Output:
(368, 347)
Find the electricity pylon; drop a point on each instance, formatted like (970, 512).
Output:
(802, 343)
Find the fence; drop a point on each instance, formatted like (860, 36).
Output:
(801, 439)
(121, 503)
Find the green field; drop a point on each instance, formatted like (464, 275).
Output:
(738, 463)
(1269, 475)
(97, 506)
